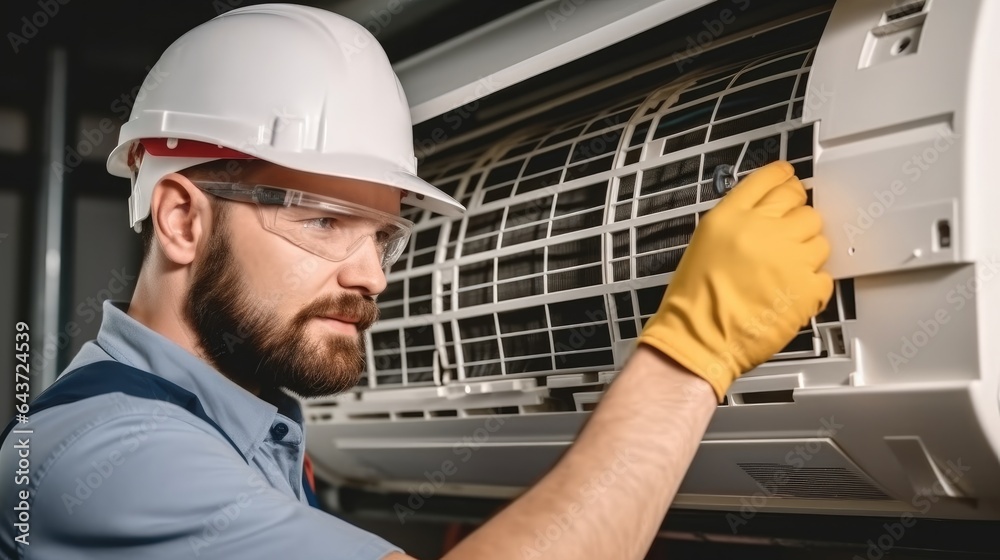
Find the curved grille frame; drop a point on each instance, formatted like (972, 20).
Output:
(574, 230)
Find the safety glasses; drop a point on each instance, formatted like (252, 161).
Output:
(326, 227)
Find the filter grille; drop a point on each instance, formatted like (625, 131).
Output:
(575, 228)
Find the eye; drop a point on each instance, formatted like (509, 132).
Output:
(383, 236)
(325, 222)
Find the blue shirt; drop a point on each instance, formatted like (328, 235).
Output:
(121, 477)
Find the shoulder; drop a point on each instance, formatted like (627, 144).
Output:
(130, 455)
(99, 436)
(109, 420)
(109, 425)
(154, 479)
(103, 465)
(105, 403)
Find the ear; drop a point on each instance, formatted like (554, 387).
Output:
(182, 218)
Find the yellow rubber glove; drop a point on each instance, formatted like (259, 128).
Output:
(747, 283)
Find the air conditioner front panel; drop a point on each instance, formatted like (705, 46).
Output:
(764, 453)
(522, 311)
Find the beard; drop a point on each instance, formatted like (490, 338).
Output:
(249, 343)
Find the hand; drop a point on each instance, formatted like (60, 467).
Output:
(748, 281)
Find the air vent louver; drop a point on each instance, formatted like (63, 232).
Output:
(785, 481)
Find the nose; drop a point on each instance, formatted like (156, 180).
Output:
(362, 269)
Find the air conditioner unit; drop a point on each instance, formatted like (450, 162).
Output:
(586, 162)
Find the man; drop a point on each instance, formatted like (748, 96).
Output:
(270, 153)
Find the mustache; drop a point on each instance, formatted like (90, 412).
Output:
(360, 308)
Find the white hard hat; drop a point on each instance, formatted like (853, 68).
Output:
(293, 85)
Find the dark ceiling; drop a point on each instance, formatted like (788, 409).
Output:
(110, 44)
(129, 29)
(115, 40)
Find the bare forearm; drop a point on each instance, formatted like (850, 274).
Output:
(608, 495)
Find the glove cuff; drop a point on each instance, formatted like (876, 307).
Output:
(716, 372)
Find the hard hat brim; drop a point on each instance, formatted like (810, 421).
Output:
(419, 193)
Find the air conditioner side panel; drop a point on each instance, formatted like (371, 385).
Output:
(892, 134)
(891, 90)
(905, 179)
(982, 159)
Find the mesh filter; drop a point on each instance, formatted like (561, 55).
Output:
(575, 227)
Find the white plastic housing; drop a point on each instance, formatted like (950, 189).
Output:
(887, 403)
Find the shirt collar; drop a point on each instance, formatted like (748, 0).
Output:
(246, 418)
